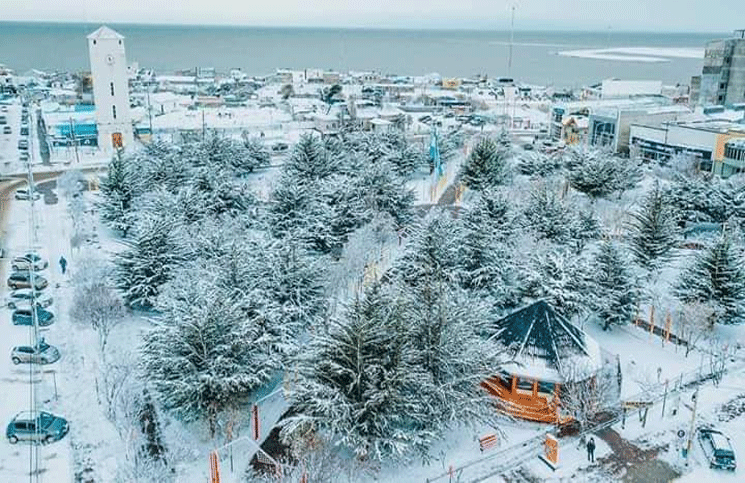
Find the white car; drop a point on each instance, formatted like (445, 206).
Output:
(22, 298)
(28, 260)
(25, 195)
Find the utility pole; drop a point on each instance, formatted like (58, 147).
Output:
(693, 426)
(512, 39)
(74, 141)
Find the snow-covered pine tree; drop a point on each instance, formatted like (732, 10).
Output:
(147, 262)
(616, 294)
(310, 160)
(485, 264)
(585, 227)
(204, 356)
(548, 215)
(536, 163)
(355, 383)
(432, 250)
(447, 331)
(486, 166)
(559, 276)
(117, 196)
(716, 278)
(653, 230)
(594, 172)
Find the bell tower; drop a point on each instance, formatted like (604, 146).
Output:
(110, 89)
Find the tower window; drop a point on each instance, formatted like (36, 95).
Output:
(113, 111)
(94, 42)
(112, 88)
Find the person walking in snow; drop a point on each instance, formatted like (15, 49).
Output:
(62, 264)
(591, 450)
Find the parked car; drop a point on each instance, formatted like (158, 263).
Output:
(43, 353)
(25, 316)
(26, 195)
(278, 147)
(717, 448)
(22, 298)
(7, 130)
(23, 280)
(24, 262)
(36, 428)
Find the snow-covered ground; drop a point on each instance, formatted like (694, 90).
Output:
(55, 459)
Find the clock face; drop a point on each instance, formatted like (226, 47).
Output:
(110, 59)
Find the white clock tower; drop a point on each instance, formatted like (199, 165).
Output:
(110, 89)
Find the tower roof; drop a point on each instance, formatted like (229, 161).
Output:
(105, 32)
(544, 342)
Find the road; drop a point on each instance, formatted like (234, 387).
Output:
(18, 462)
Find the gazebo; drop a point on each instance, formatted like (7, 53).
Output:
(545, 351)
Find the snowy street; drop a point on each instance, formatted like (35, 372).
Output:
(54, 459)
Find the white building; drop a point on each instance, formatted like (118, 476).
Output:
(110, 89)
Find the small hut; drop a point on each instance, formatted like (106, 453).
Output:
(545, 350)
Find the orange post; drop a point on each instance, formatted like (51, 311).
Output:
(651, 320)
(214, 468)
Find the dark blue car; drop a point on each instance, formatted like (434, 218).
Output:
(24, 316)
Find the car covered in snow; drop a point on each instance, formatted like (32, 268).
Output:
(22, 298)
(24, 262)
(36, 428)
(717, 448)
(25, 316)
(26, 195)
(22, 279)
(42, 353)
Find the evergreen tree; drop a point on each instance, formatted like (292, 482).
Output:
(654, 231)
(147, 262)
(311, 160)
(117, 196)
(355, 383)
(203, 357)
(598, 173)
(615, 293)
(486, 166)
(485, 264)
(716, 277)
(539, 164)
(549, 216)
(560, 277)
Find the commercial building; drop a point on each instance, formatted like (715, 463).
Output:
(705, 139)
(723, 74)
(606, 122)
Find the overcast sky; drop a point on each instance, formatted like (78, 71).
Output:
(666, 15)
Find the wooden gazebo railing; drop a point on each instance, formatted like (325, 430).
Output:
(522, 404)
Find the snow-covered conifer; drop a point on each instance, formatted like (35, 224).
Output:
(486, 166)
(616, 294)
(716, 277)
(204, 356)
(653, 230)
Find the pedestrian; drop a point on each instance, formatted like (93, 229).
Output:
(591, 450)
(62, 264)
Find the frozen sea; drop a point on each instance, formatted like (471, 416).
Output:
(563, 59)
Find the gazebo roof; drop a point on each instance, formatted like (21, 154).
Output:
(544, 344)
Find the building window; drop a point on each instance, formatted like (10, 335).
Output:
(94, 42)
(111, 85)
(113, 111)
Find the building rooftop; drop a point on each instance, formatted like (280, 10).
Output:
(105, 32)
(545, 345)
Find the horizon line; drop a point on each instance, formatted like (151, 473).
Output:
(352, 27)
